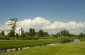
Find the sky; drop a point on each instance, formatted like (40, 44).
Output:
(56, 14)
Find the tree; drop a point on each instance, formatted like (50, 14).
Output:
(41, 33)
(13, 23)
(32, 32)
(17, 36)
(46, 34)
(13, 26)
(81, 35)
(2, 33)
(57, 35)
(12, 33)
(65, 33)
(23, 35)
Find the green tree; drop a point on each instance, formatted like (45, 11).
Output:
(57, 35)
(65, 33)
(2, 33)
(81, 35)
(46, 34)
(23, 35)
(17, 35)
(13, 26)
(12, 33)
(32, 32)
(41, 33)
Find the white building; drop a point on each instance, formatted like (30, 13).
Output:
(17, 30)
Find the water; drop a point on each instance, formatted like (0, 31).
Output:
(76, 40)
(2, 51)
(14, 49)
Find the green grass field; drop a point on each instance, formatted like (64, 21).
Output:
(77, 48)
(8, 44)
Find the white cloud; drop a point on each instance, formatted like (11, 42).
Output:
(54, 25)
(36, 23)
(4, 27)
(42, 23)
(64, 25)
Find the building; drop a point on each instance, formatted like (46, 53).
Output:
(17, 30)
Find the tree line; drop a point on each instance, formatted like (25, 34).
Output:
(32, 34)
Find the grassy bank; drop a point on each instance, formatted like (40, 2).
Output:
(77, 48)
(8, 44)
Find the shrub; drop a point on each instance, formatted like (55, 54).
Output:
(66, 39)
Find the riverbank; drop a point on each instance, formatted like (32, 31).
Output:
(72, 48)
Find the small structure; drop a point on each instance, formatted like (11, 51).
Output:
(17, 30)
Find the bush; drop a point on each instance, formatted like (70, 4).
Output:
(82, 39)
(2, 37)
(66, 39)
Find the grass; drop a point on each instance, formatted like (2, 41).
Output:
(82, 39)
(77, 48)
(23, 43)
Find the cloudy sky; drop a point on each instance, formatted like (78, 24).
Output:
(49, 15)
